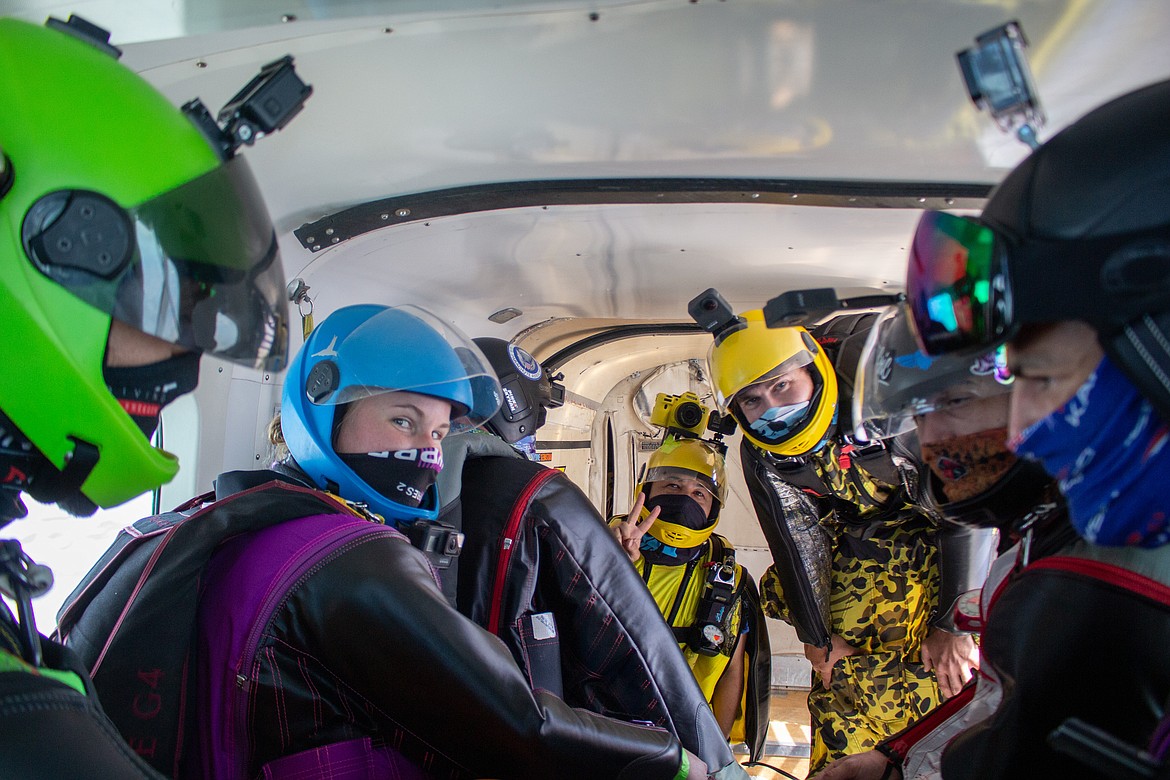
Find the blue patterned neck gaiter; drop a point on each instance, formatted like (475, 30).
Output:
(1107, 449)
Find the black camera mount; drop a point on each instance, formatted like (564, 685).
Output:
(266, 104)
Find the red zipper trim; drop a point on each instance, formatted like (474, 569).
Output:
(904, 741)
(508, 543)
(1107, 572)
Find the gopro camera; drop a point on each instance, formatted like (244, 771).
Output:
(713, 313)
(441, 543)
(266, 104)
(999, 81)
(797, 307)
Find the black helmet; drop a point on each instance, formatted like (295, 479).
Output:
(1105, 177)
(528, 390)
(1080, 230)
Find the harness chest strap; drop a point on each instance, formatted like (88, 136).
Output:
(708, 633)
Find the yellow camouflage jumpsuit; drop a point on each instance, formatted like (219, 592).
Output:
(883, 590)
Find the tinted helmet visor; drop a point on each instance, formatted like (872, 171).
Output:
(956, 285)
(196, 266)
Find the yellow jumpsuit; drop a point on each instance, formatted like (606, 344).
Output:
(665, 583)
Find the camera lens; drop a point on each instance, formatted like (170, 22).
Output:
(689, 414)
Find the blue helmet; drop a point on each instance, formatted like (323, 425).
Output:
(368, 349)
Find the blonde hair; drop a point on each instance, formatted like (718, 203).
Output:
(277, 448)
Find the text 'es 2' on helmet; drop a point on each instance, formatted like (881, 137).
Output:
(116, 207)
(686, 459)
(752, 354)
(1080, 230)
(368, 349)
(528, 392)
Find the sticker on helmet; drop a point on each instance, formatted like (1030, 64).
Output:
(525, 363)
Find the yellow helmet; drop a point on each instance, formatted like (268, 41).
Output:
(752, 353)
(686, 459)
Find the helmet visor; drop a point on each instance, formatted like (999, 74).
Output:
(958, 293)
(779, 402)
(204, 271)
(896, 382)
(455, 368)
(676, 473)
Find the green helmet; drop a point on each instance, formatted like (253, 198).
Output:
(116, 206)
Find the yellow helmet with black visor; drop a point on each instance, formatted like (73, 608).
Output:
(685, 462)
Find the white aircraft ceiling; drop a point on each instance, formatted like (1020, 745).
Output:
(611, 160)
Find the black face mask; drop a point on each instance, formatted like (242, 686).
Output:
(143, 391)
(681, 510)
(403, 476)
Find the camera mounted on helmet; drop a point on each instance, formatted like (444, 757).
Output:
(685, 416)
(266, 104)
(998, 80)
(806, 307)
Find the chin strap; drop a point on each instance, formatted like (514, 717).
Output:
(50, 485)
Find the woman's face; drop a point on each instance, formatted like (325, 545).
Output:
(684, 487)
(393, 421)
(791, 387)
(1050, 364)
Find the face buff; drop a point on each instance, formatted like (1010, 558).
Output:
(527, 445)
(676, 510)
(1107, 448)
(143, 391)
(969, 465)
(403, 476)
(778, 422)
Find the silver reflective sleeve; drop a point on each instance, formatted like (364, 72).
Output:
(965, 555)
(802, 550)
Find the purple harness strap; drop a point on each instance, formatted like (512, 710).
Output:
(246, 583)
(357, 759)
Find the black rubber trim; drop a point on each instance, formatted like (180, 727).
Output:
(541, 444)
(564, 355)
(366, 217)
